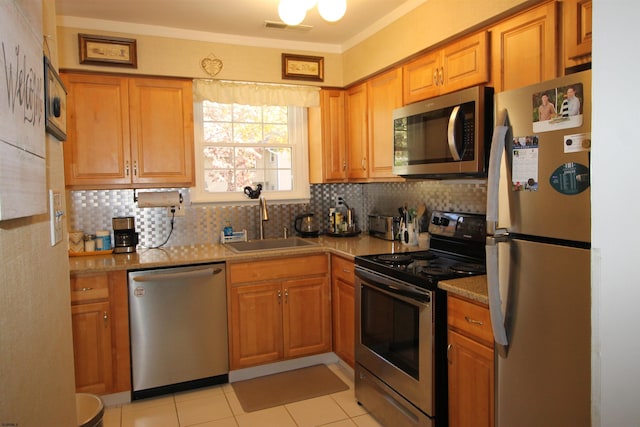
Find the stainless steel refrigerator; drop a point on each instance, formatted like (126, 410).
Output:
(538, 253)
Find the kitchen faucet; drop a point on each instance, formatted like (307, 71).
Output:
(264, 215)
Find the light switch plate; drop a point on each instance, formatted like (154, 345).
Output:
(56, 213)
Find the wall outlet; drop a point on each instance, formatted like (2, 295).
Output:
(337, 200)
(179, 211)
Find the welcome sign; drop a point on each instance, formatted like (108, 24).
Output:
(22, 119)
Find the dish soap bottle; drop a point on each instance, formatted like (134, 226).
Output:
(228, 230)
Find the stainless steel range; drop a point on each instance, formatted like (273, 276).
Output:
(401, 366)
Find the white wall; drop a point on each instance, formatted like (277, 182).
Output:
(615, 214)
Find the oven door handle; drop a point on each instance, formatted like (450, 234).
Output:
(404, 291)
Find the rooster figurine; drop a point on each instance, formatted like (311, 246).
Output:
(251, 193)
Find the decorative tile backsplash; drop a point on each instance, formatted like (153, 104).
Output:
(92, 210)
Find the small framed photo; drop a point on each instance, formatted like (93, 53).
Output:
(300, 67)
(55, 102)
(113, 51)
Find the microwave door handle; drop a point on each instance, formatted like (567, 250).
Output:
(451, 133)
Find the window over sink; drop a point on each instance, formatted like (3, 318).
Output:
(249, 141)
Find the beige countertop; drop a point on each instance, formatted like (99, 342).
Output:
(348, 247)
(474, 288)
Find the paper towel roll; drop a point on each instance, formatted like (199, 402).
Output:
(159, 199)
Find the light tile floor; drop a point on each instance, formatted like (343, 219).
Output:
(218, 406)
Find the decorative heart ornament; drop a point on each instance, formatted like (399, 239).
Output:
(211, 65)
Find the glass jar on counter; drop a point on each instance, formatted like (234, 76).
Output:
(89, 242)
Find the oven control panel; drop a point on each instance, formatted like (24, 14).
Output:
(463, 226)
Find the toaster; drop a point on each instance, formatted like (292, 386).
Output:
(384, 227)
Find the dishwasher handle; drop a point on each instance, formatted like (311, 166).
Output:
(182, 275)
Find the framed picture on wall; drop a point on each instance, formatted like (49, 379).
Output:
(102, 50)
(55, 102)
(301, 67)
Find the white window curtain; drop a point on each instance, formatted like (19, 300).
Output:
(256, 94)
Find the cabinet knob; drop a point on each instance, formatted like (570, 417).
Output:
(105, 317)
(435, 77)
(126, 168)
(135, 167)
(279, 296)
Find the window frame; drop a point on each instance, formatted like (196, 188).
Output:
(298, 137)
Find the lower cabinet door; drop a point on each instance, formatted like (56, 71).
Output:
(306, 316)
(343, 300)
(256, 324)
(470, 382)
(91, 325)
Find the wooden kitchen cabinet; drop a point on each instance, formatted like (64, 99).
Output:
(357, 132)
(577, 32)
(384, 94)
(343, 304)
(92, 347)
(350, 135)
(327, 144)
(278, 309)
(471, 367)
(457, 65)
(524, 48)
(128, 132)
(100, 325)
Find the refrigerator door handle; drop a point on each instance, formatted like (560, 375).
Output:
(498, 144)
(495, 301)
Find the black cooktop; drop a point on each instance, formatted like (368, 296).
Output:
(422, 268)
(456, 250)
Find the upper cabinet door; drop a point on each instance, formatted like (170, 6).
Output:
(458, 65)
(357, 144)
(97, 146)
(465, 63)
(327, 145)
(421, 77)
(384, 94)
(524, 48)
(161, 130)
(577, 28)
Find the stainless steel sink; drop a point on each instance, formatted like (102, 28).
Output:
(270, 244)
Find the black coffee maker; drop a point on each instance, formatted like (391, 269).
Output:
(124, 235)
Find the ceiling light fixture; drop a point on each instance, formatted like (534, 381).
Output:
(293, 12)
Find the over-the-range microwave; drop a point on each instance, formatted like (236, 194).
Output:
(444, 137)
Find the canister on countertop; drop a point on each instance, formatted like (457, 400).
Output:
(103, 240)
(76, 243)
(89, 242)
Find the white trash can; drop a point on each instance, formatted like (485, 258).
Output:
(89, 410)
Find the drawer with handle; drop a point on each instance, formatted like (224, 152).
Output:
(88, 287)
(342, 268)
(469, 318)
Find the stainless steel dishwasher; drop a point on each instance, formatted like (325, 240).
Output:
(178, 329)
